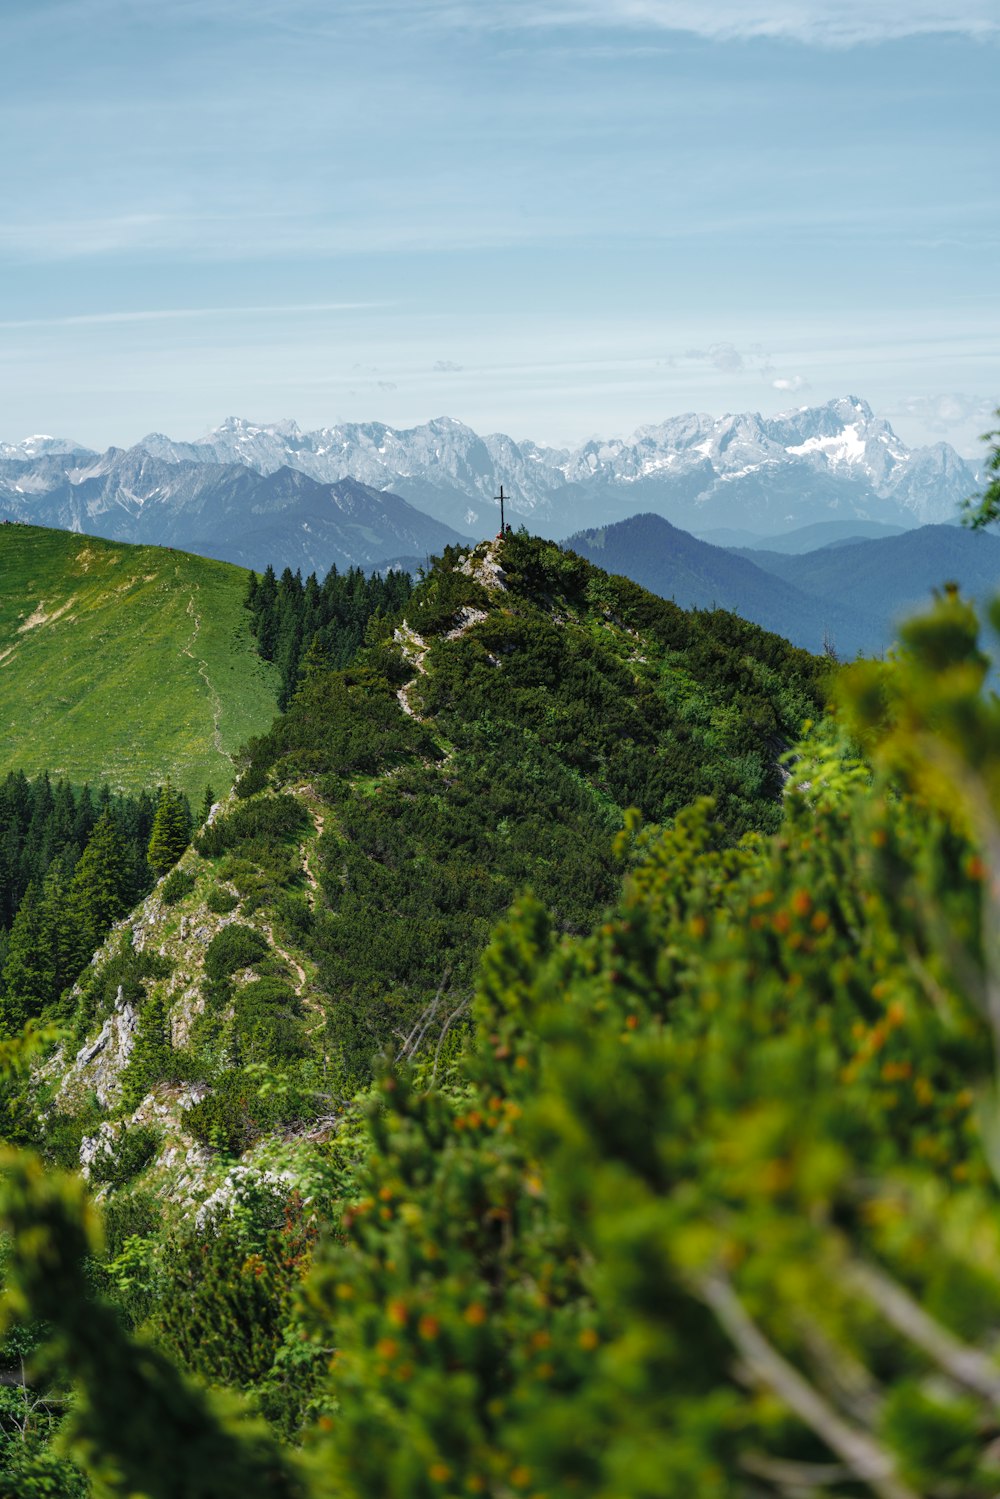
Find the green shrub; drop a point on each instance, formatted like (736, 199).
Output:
(252, 780)
(254, 885)
(437, 600)
(267, 820)
(129, 1215)
(226, 1295)
(221, 901)
(235, 947)
(222, 1121)
(128, 970)
(128, 1274)
(63, 1133)
(154, 1058)
(232, 1116)
(340, 723)
(27, 1472)
(266, 1021)
(130, 1150)
(177, 884)
(294, 913)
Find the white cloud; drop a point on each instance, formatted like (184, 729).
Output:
(726, 357)
(828, 23)
(446, 367)
(948, 416)
(790, 382)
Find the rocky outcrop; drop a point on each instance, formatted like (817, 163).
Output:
(103, 1060)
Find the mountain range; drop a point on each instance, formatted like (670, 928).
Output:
(365, 492)
(221, 510)
(845, 595)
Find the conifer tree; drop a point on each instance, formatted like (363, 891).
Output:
(100, 888)
(29, 970)
(207, 803)
(171, 830)
(61, 935)
(150, 1059)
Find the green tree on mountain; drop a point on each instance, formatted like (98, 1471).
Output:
(29, 969)
(52, 936)
(101, 888)
(171, 830)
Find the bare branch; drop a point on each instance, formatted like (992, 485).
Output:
(414, 1040)
(843, 1376)
(444, 1031)
(867, 1461)
(965, 1365)
(794, 1478)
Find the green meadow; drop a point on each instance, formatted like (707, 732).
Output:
(125, 664)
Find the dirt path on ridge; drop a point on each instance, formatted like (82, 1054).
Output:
(213, 697)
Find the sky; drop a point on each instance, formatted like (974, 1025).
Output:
(552, 218)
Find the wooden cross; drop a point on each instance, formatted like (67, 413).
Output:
(500, 497)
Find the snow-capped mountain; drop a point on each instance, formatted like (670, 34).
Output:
(446, 468)
(224, 510)
(759, 474)
(768, 472)
(39, 446)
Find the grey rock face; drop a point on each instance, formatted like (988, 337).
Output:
(103, 1060)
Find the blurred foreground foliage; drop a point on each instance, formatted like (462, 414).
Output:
(708, 1206)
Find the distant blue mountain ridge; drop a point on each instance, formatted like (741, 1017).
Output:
(848, 596)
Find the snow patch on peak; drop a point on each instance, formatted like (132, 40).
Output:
(846, 446)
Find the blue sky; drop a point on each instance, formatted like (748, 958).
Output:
(554, 219)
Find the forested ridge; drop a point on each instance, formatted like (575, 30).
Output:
(563, 1069)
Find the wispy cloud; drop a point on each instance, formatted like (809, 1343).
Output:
(941, 414)
(828, 23)
(728, 359)
(171, 314)
(834, 23)
(724, 356)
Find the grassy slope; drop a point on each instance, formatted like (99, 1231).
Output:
(124, 663)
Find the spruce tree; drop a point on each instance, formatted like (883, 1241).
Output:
(65, 943)
(171, 830)
(150, 1059)
(29, 970)
(100, 888)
